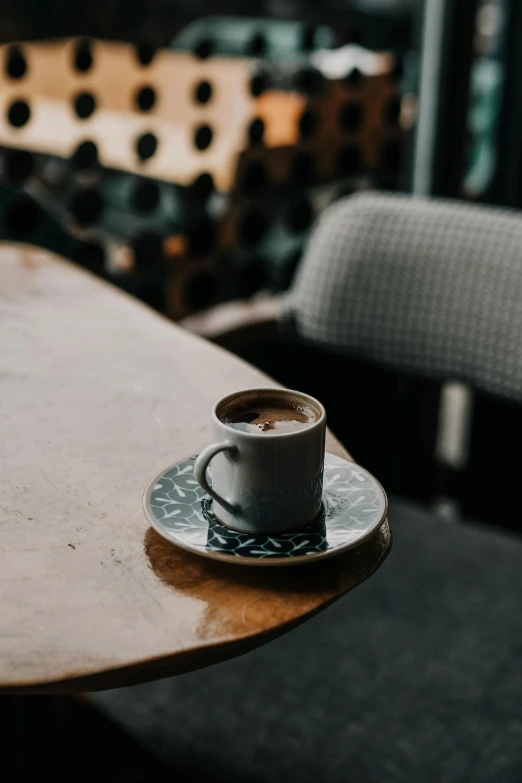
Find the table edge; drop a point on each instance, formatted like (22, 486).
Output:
(189, 659)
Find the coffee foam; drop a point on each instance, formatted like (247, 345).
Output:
(268, 413)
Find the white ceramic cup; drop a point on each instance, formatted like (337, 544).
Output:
(265, 482)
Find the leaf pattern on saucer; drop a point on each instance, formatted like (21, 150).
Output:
(354, 503)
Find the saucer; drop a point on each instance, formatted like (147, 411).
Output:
(354, 504)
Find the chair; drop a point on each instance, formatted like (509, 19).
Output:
(416, 676)
(423, 292)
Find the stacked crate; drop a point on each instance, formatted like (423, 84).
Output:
(192, 175)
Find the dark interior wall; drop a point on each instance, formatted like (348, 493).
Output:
(377, 25)
(158, 20)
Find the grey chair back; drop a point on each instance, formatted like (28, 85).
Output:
(430, 287)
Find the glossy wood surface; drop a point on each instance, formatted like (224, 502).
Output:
(97, 393)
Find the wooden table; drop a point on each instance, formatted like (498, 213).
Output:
(97, 393)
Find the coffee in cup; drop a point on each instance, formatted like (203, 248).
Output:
(268, 414)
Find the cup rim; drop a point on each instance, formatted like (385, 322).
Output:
(296, 434)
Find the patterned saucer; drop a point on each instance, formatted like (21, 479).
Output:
(355, 505)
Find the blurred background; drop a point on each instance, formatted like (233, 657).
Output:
(184, 150)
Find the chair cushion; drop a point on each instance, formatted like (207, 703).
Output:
(424, 286)
(415, 676)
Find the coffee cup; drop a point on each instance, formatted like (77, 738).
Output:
(267, 461)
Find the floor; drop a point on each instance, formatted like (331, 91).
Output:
(60, 738)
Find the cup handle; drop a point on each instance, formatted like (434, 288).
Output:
(200, 472)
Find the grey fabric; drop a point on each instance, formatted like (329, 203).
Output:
(429, 287)
(415, 676)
